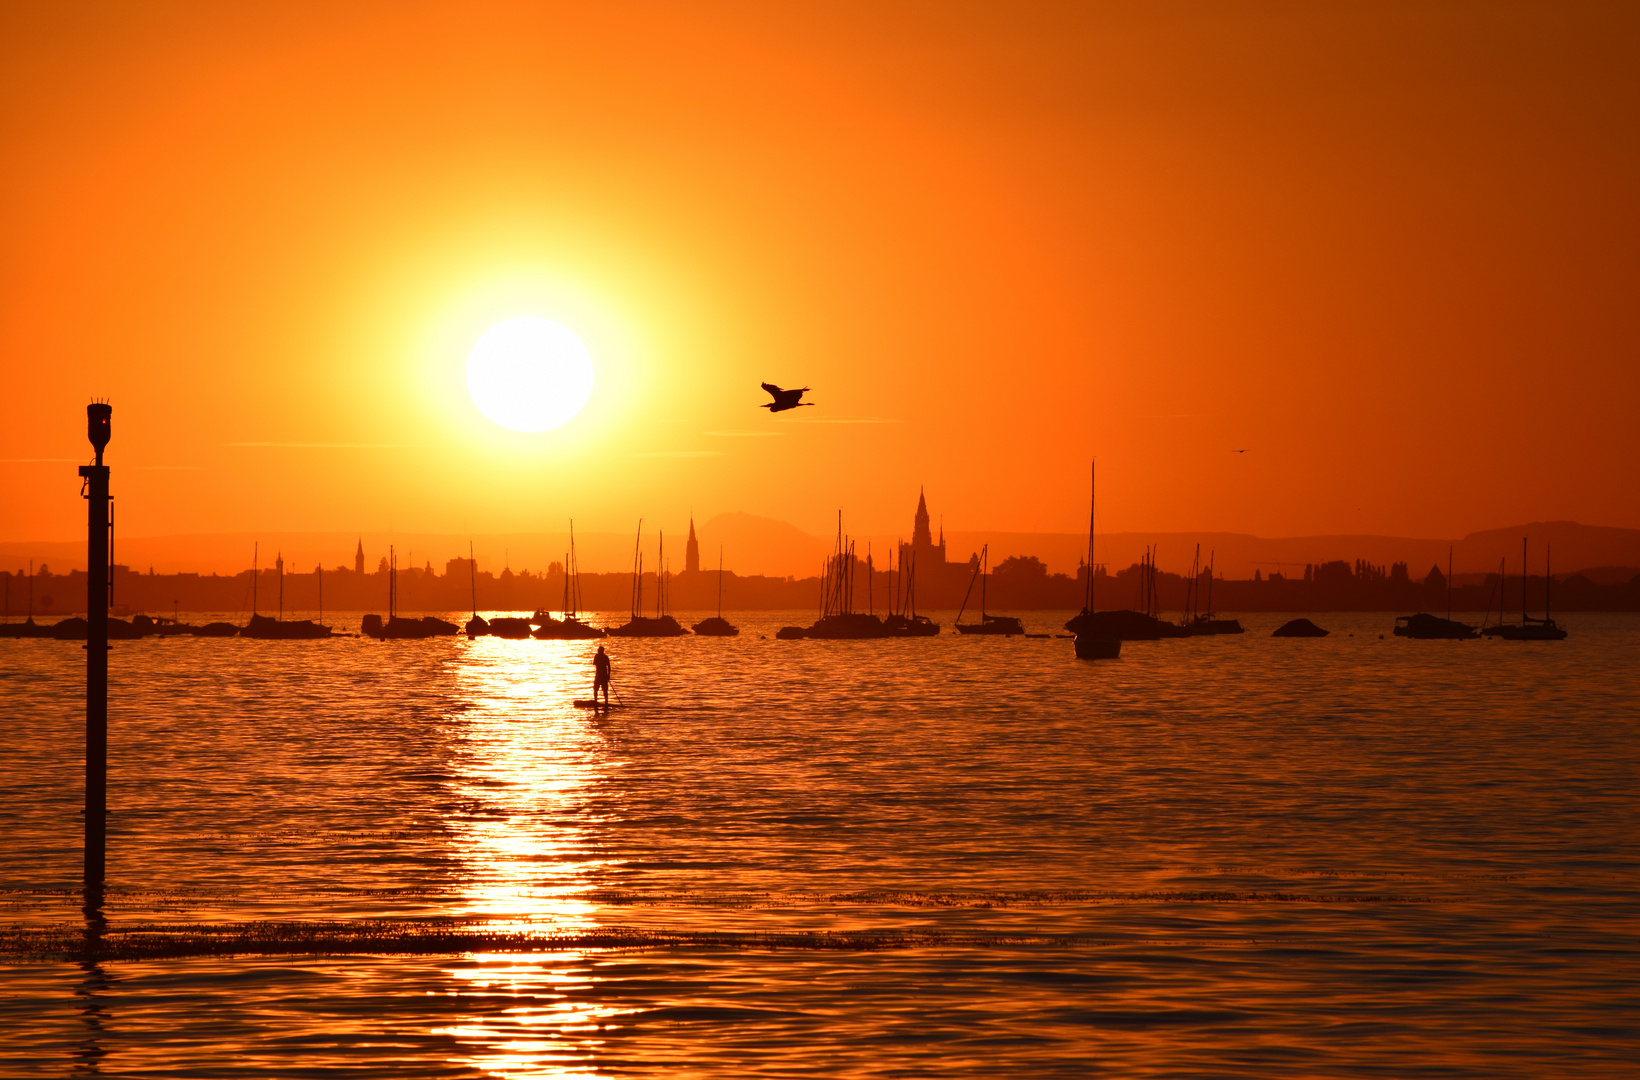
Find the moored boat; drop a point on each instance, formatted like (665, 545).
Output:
(396, 627)
(1097, 647)
(570, 626)
(838, 620)
(1426, 627)
(660, 624)
(716, 625)
(902, 619)
(989, 625)
(1298, 628)
(1532, 628)
(476, 626)
(508, 626)
(1094, 640)
(266, 629)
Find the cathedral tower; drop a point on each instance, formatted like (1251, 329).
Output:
(923, 547)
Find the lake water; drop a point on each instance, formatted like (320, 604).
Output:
(1230, 857)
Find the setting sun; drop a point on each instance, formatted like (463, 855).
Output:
(529, 374)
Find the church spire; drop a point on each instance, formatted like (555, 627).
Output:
(920, 535)
(691, 550)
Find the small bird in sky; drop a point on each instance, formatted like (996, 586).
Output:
(1238, 451)
(784, 399)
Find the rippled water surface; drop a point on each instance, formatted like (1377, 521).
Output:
(1238, 857)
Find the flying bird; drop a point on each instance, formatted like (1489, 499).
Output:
(784, 399)
(1238, 451)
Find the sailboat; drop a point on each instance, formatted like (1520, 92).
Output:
(1499, 591)
(903, 620)
(398, 628)
(1531, 628)
(1202, 624)
(717, 625)
(838, 620)
(993, 625)
(1426, 627)
(570, 627)
(661, 624)
(1123, 624)
(476, 627)
(278, 629)
(1093, 641)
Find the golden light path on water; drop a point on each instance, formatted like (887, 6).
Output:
(525, 841)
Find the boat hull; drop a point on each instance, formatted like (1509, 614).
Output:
(665, 626)
(992, 629)
(513, 628)
(1425, 627)
(1123, 624)
(1098, 647)
(1531, 633)
(1299, 628)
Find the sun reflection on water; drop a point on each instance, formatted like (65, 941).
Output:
(525, 772)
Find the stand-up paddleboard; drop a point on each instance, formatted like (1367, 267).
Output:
(591, 703)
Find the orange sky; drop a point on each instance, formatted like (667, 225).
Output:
(1390, 248)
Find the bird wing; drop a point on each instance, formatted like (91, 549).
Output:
(774, 390)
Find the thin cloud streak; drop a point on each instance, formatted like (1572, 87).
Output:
(679, 453)
(744, 434)
(333, 445)
(843, 420)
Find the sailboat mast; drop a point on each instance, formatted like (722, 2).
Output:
(1093, 501)
(572, 573)
(720, 581)
(320, 571)
(1523, 581)
(636, 564)
(1449, 582)
(984, 562)
(472, 575)
(1193, 595)
(1548, 581)
(255, 573)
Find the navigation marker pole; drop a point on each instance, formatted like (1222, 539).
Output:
(99, 418)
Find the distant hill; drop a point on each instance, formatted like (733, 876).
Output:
(758, 545)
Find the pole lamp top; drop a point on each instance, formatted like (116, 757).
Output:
(98, 421)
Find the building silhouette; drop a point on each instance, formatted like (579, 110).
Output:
(358, 558)
(927, 553)
(691, 550)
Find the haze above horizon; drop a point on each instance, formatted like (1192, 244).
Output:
(1387, 251)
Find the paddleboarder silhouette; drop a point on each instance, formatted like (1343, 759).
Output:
(600, 675)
